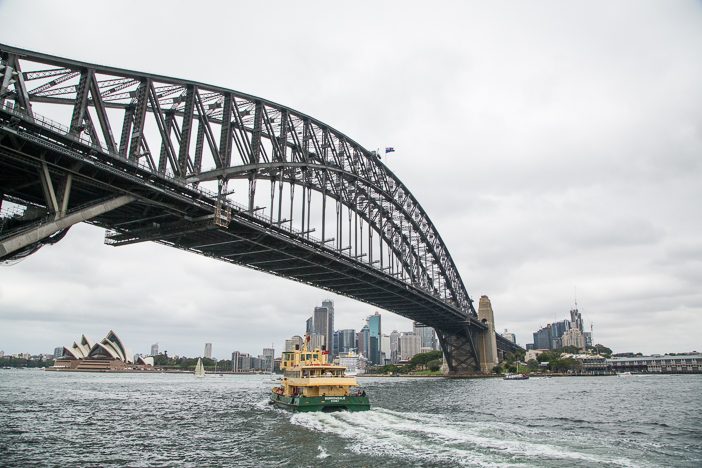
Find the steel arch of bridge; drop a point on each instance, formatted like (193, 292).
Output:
(179, 138)
(208, 133)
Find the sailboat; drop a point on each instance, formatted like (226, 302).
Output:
(199, 368)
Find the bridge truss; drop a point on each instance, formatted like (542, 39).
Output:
(220, 173)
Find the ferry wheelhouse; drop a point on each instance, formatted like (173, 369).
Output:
(311, 383)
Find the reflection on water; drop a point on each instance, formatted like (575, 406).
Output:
(169, 419)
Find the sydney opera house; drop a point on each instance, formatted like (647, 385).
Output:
(109, 354)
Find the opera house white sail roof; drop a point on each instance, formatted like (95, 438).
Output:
(110, 347)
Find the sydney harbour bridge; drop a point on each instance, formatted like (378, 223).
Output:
(226, 175)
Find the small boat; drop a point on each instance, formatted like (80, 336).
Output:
(199, 368)
(516, 377)
(310, 383)
(624, 374)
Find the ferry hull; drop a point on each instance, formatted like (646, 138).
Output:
(323, 404)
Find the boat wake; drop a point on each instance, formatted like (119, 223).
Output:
(432, 439)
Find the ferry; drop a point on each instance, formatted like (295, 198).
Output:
(516, 377)
(311, 383)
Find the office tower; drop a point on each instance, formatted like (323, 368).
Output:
(347, 340)
(363, 341)
(244, 362)
(374, 332)
(323, 321)
(510, 336)
(316, 341)
(394, 346)
(409, 345)
(154, 349)
(384, 349)
(542, 338)
(429, 341)
(309, 326)
(335, 344)
(574, 337)
(58, 352)
(292, 342)
(268, 357)
(236, 361)
(576, 319)
(588, 339)
(208, 350)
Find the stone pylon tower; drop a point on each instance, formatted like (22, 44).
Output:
(487, 343)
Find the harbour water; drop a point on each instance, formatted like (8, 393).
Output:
(74, 419)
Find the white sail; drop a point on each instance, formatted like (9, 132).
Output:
(199, 369)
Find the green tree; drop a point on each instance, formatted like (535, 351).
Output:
(532, 365)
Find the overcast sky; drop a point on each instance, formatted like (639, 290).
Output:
(554, 145)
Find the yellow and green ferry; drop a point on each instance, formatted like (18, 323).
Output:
(310, 383)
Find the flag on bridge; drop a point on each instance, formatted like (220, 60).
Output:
(389, 149)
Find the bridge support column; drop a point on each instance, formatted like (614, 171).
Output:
(487, 342)
(460, 353)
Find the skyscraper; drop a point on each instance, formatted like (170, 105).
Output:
(208, 350)
(323, 322)
(236, 361)
(347, 340)
(576, 319)
(394, 346)
(268, 357)
(510, 336)
(154, 349)
(409, 345)
(374, 332)
(292, 342)
(427, 335)
(363, 342)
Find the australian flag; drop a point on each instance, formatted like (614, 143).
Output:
(389, 149)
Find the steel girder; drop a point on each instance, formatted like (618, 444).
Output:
(204, 133)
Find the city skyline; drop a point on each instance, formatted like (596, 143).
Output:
(564, 154)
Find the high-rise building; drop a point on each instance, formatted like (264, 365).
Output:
(410, 344)
(374, 333)
(427, 334)
(588, 339)
(576, 319)
(244, 362)
(363, 341)
(574, 337)
(268, 357)
(236, 361)
(58, 352)
(510, 336)
(323, 322)
(347, 340)
(385, 353)
(394, 346)
(292, 342)
(542, 338)
(309, 326)
(208, 350)
(316, 341)
(154, 349)
(335, 344)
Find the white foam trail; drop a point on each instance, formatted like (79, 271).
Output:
(431, 438)
(322, 453)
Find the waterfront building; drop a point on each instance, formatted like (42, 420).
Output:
(573, 337)
(244, 362)
(409, 345)
(427, 334)
(591, 364)
(533, 354)
(236, 361)
(351, 361)
(154, 349)
(268, 357)
(510, 336)
(667, 364)
(374, 333)
(208, 350)
(292, 342)
(107, 354)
